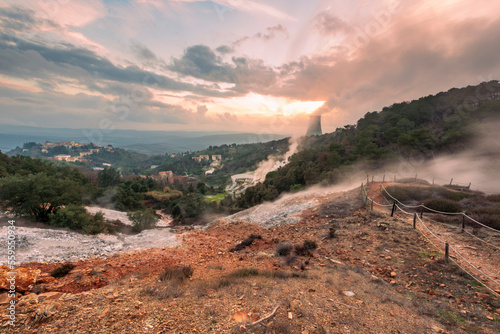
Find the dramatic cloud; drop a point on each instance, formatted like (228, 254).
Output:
(329, 24)
(224, 49)
(142, 51)
(247, 75)
(207, 64)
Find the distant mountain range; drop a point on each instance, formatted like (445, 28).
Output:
(148, 142)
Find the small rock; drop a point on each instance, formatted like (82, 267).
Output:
(498, 310)
(348, 293)
(393, 274)
(50, 295)
(4, 298)
(437, 329)
(431, 292)
(295, 305)
(393, 282)
(290, 316)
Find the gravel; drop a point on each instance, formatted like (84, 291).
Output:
(56, 245)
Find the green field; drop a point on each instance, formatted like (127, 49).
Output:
(217, 198)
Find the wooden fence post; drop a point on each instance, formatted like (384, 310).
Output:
(383, 179)
(422, 213)
(415, 220)
(446, 252)
(463, 223)
(393, 209)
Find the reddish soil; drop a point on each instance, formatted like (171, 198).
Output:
(370, 273)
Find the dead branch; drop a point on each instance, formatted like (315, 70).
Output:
(267, 317)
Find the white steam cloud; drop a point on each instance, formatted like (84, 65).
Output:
(274, 162)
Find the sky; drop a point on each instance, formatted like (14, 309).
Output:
(234, 65)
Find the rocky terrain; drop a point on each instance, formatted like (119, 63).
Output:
(349, 270)
(44, 244)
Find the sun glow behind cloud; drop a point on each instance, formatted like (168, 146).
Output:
(187, 64)
(271, 106)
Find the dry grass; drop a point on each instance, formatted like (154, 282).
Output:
(176, 273)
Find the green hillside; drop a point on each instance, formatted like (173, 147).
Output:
(432, 125)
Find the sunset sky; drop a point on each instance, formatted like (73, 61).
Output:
(234, 65)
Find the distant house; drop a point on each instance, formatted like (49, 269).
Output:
(153, 166)
(97, 168)
(216, 157)
(202, 157)
(82, 154)
(173, 155)
(167, 173)
(73, 159)
(44, 150)
(62, 157)
(94, 150)
(106, 164)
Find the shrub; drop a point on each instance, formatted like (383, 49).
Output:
(178, 274)
(76, 217)
(62, 270)
(332, 233)
(306, 248)
(493, 198)
(143, 219)
(244, 272)
(283, 249)
(245, 243)
(444, 205)
(489, 216)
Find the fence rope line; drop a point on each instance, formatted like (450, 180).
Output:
(473, 266)
(450, 246)
(421, 205)
(475, 278)
(486, 242)
(437, 211)
(475, 221)
(373, 201)
(435, 236)
(464, 230)
(464, 259)
(406, 212)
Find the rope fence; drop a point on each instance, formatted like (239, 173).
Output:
(425, 229)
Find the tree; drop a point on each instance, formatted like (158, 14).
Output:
(76, 217)
(143, 219)
(39, 195)
(108, 177)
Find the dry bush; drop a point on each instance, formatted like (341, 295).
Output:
(487, 215)
(493, 198)
(444, 205)
(306, 248)
(176, 273)
(283, 249)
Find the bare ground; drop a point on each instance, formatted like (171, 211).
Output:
(369, 274)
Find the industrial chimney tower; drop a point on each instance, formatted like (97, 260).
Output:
(314, 126)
